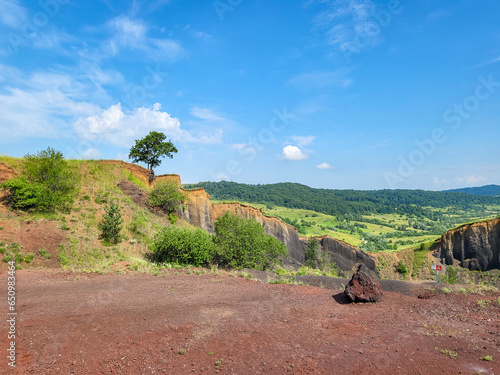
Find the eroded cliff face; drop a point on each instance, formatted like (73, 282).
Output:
(476, 246)
(199, 211)
(202, 213)
(345, 255)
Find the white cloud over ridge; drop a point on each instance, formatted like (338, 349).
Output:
(293, 153)
(113, 126)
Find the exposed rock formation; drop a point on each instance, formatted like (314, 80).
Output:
(200, 212)
(346, 256)
(476, 246)
(363, 287)
(141, 173)
(6, 172)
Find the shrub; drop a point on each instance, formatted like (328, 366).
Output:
(451, 275)
(167, 196)
(401, 268)
(183, 246)
(111, 224)
(24, 195)
(28, 258)
(46, 183)
(312, 248)
(44, 253)
(243, 243)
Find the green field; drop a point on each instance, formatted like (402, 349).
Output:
(386, 229)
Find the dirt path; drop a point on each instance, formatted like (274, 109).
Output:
(207, 324)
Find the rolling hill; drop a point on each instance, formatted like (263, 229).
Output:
(487, 190)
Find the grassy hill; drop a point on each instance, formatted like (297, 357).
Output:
(71, 239)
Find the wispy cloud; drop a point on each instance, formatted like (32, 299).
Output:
(320, 79)
(439, 14)
(206, 114)
(12, 14)
(344, 19)
(40, 104)
(469, 180)
(489, 62)
(132, 33)
(303, 140)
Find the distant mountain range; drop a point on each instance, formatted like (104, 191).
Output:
(488, 190)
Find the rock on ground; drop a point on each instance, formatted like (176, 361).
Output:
(363, 287)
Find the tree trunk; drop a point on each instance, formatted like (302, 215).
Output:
(151, 176)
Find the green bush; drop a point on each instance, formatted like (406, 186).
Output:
(401, 268)
(111, 224)
(167, 196)
(24, 195)
(44, 253)
(243, 243)
(46, 183)
(28, 258)
(183, 246)
(312, 248)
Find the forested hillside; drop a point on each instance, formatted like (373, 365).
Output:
(488, 190)
(351, 204)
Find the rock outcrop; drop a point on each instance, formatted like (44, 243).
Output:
(346, 256)
(476, 246)
(362, 287)
(6, 172)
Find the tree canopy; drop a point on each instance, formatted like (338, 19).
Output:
(151, 149)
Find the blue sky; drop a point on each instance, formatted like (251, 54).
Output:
(346, 94)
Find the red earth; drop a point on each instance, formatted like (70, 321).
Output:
(183, 323)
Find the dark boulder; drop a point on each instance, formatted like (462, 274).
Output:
(363, 287)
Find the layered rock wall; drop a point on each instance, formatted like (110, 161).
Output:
(476, 246)
(346, 256)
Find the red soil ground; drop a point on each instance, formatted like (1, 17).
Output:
(177, 323)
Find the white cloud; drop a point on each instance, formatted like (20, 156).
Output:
(53, 40)
(91, 153)
(470, 179)
(303, 141)
(206, 114)
(293, 153)
(438, 181)
(45, 103)
(129, 33)
(12, 14)
(324, 166)
(319, 80)
(222, 177)
(113, 126)
(345, 19)
(39, 113)
(246, 147)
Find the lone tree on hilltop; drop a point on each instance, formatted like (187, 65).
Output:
(151, 149)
